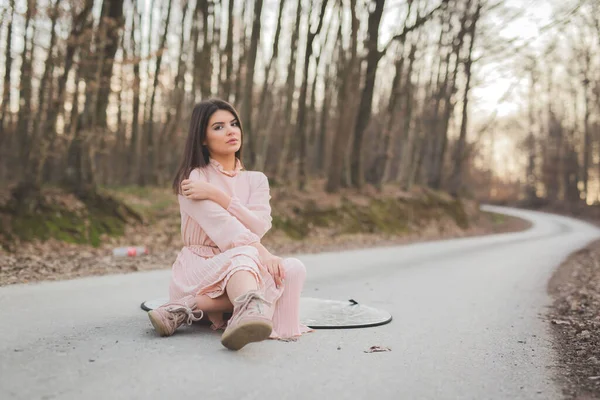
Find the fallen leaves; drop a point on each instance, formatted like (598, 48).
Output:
(575, 316)
(377, 349)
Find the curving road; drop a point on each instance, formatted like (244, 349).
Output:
(467, 325)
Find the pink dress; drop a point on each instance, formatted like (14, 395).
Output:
(216, 245)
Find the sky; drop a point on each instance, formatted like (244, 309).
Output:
(499, 77)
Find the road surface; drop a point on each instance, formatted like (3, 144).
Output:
(468, 324)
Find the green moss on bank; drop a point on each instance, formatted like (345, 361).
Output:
(84, 221)
(392, 216)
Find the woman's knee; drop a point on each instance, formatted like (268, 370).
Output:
(294, 269)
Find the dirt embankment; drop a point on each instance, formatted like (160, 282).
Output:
(310, 221)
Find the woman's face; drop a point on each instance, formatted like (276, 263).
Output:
(223, 134)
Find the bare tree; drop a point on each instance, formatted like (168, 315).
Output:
(587, 142)
(7, 70)
(443, 92)
(282, 164)
(266, 101)
(348, 73)
(23, 116)
(531, 192)
(242, 50)
(28, 191)
(174, 113)
(148, 171)
(112, 17)
(460, 155)
(134, 143)
(228, 81)
(246, 114)
(300, 128)
(381, 167)
(364, 109)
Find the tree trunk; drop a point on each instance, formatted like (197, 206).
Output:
(315, 138)
(266, 102)
(283, 164)
(300, 129)
(206, 70)
(242, 62)
(459, 155)
(133, 170)
(274, 54)
(450, 90)
(552, 158)
(80, 174)
(45, 89)
(408, 157)
(382, 165)
(149, 57)
(348, 77)
(119, 155)
(587, 142)
(530, 188)
(228, 83)
(167, 135)
(571, 169)
(149, 173)
(215, 51)
(7, 71)
(196, 55)
(24, 114)
(29, 188)
(249, 133)
(75, 39)
(438, 127)
(112, 17)
(366, 99)
(322, 152)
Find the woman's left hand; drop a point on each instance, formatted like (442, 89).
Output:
(196, 190)
(274, 265)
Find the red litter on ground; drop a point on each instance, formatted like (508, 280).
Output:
(131, 251)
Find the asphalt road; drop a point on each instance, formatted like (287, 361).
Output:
(468, 324)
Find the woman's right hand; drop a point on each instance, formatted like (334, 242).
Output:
(197, 190)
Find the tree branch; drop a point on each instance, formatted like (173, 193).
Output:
(407, 29)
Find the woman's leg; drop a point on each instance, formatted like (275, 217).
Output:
(249, 322)
(210, 305)
(214, 309)
(239, 284)
(244, 281)
(286, 315)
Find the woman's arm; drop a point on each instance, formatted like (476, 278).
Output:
(220, 226)
(225, 230)
(256, 215)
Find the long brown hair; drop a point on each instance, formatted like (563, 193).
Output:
(196, 154)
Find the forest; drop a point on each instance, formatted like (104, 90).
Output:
(349, 93)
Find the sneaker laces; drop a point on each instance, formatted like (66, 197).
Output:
(183, 313)
(246, 302)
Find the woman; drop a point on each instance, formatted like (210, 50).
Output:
(223, 267)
